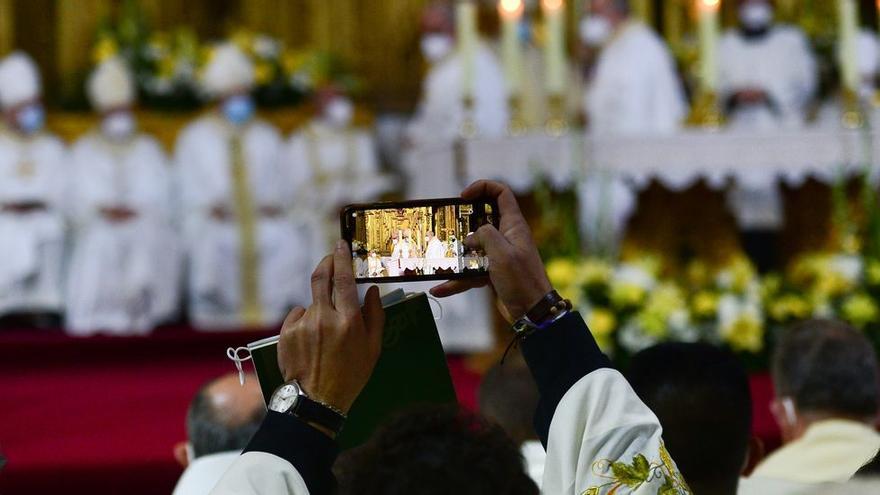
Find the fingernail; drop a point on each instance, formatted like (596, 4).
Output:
(340, 245)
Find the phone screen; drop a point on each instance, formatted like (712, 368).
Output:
(416, 240)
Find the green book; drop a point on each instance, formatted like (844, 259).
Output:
(411, 370)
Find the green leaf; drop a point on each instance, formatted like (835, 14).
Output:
(668, 488)
(632, 475)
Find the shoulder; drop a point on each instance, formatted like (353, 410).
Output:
(788, 34)
(643, 39)
(197, 129)
(264, 130)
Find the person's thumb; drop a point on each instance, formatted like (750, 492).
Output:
(489, 239)
(374, 317)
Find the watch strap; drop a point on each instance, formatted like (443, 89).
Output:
(548, 308)
(323, 415)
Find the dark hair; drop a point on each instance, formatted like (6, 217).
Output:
(435, 451)
(700, 394)
(827, 366)
(508, 395)
(209, 434)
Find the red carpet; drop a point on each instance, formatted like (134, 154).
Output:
(101, 415)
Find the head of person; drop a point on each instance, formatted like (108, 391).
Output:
(823, 369)
(362, 253)
(334, 107)
(112, 94)
(436, 451)
(604, 18)
(21, 94)
(438, 31)
(228, 79)
(429, 235)
(700, 394)
(222, 417)
(508, 396)
(755, 16)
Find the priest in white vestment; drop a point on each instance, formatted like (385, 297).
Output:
(435, 252)
(242, 271)
(632, 87)
(124, 273)
(767, 71)
(32, 182)
(831, 115)
(332, 163)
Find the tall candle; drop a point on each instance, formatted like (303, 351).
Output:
(554, 48)
(466, 35)
(709, 29)
(848, 15)
(511, 12)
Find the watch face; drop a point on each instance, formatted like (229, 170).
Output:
(284, 398)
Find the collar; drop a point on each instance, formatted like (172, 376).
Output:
(755, 34)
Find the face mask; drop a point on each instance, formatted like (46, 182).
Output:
(238, 109)
(436, 47)
(339, 112)
(595, 30)
(31, 118)
(756, 16)
(118, 125)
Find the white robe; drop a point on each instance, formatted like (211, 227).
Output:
(204, 472)
(31, 244)
(205, 165)
(124, 278)
(635, 89)
(434, 252)
(441, 111)
(330, 168)
(781, 63)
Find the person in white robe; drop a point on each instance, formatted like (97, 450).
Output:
(435, 253)
(633, 87)
(124, 274)
(767, 71)
(441, 111)
(374, 265)
(332, 164)
(32, 182)
(242, 269)
(831, 115)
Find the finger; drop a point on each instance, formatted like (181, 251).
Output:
(490, 240)
(345, 296)
(321, 286)
(487, 189)
(374, 317)
(294, 316)
(454, 287)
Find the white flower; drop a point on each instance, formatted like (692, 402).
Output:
(266, 47)
(847, 266)
(634, 339)
(634, 275)
(680, 327)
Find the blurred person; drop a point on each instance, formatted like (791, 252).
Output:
(767, 71)
(700, 394)
(220, 421)
(332, 164)
(600, 437)
(632, 87)
(435, 251)
(33, 171)
(125, 268)
(441, 112)
(236, 226)
(826, 378)
(831, 113)
(508, 396)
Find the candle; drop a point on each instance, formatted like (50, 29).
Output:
(511, 12)
(554, 48)
(466, 34)
(849, 24)
(709, 28)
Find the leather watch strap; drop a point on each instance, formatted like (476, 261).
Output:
(548, 308)
(313, 411)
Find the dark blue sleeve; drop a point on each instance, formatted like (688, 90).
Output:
(558, 357)
(311, 452)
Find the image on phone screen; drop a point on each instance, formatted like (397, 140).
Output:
(417, 240)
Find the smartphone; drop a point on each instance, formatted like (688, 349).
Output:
(419, 240)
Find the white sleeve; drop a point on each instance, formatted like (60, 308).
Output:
(603, 439)
(257, 473)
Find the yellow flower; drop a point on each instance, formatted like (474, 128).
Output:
(698, 274)
(245, 40)
(106, 48)
(167, 64)
(789, 307)
(770, 286)
(263, 73)
(561, 272)
(860, 309)
(872, 272)
(601, 322)
(705, 304)
(745, 333)
(625, 295)
(593, 272)
(291, 61)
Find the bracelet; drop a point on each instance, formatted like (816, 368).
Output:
(551, 305)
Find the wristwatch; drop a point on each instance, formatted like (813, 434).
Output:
(291, 399)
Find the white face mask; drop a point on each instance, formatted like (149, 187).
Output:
(339, 112)
(595, 30)
(118, 125)
(756, 16)
(436, 47)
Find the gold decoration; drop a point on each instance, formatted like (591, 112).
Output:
(705, 112)
(517, 125)
(468, 128)
(557, 125)
(853, 116)
(251, 312)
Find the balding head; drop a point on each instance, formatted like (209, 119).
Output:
(224, 415)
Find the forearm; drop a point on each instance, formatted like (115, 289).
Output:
(558, 357)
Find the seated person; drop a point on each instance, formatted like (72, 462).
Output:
(826, 378)
(600, 437)
(221, 419)
(695, 389)
(508, 396)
